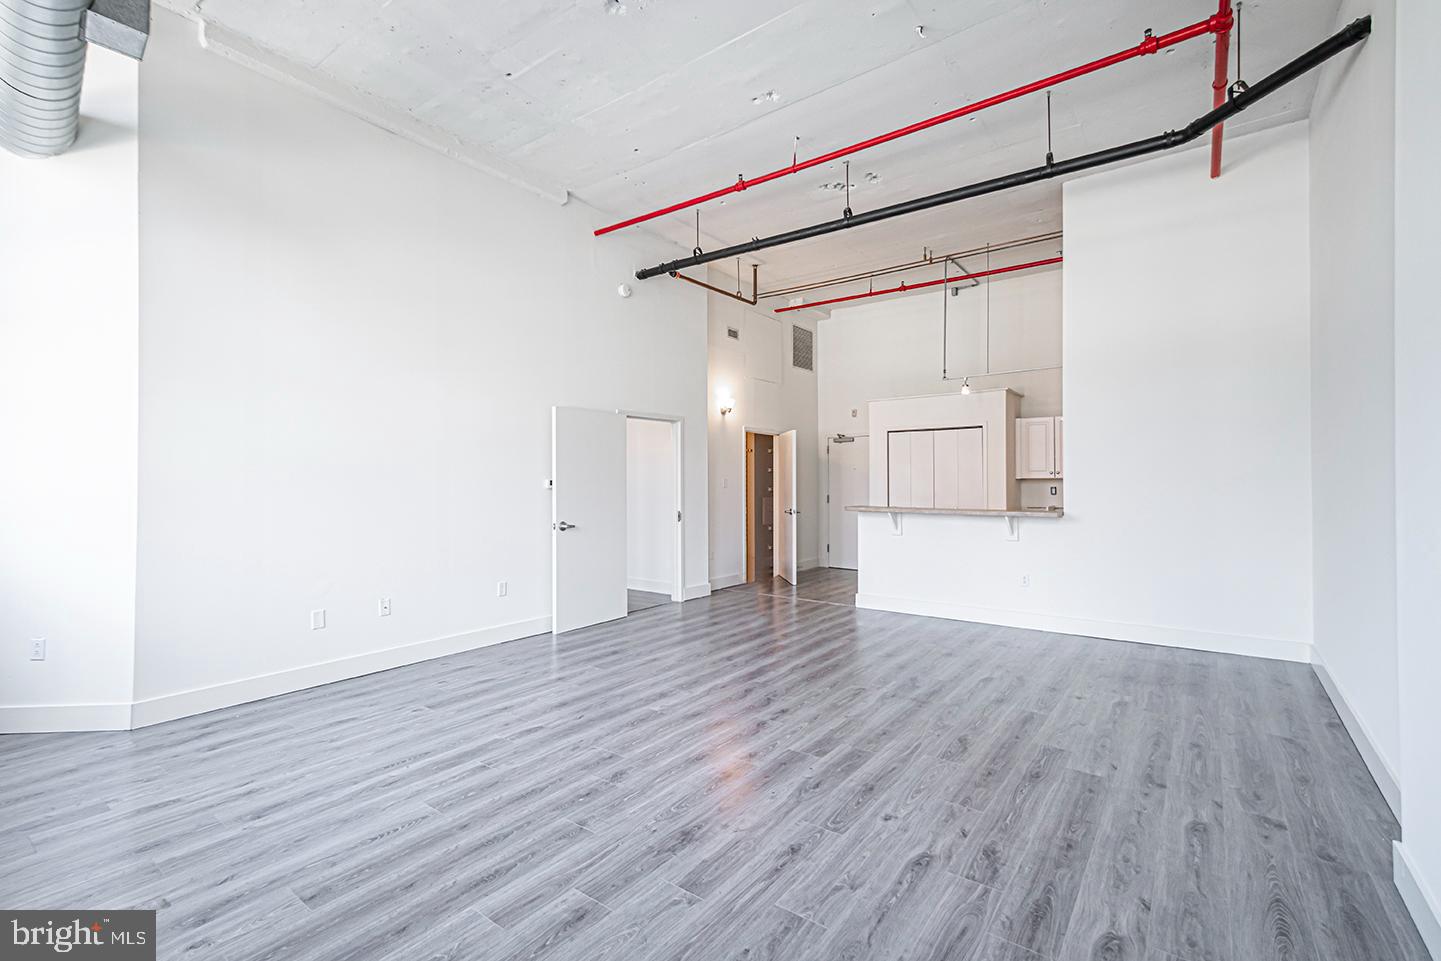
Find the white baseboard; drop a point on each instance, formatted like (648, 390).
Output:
(1420, 899)
(693, 591)
(1381, 772)
(168, 707)
(655, 587)
(46, 718)
(726, 580)
(1274, 648)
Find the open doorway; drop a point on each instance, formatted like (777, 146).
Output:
(760, 506)
(768, 528)
(652, 561)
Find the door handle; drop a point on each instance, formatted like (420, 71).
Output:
(791, 511)
(563, 526)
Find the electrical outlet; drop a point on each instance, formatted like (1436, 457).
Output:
(502, 588)
(1025, 580)
(1053, 490)
(317, 620)
(385, 607)
(37, 648)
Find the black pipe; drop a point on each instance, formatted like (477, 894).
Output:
(1351, 35)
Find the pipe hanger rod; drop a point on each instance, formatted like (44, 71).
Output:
(923, 284)
(1150, 45)
(1350, 35)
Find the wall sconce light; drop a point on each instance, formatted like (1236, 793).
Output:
(727, 403)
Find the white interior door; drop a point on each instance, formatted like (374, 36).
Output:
(848, 482)
(588, 527)
(785, 506)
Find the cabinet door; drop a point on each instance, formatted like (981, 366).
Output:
(1060, 459)
(898, 469)
(948, 468)
(971, 472)
(1035, 447)
(923, 468)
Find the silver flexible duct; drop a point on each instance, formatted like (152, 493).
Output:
(42, 61)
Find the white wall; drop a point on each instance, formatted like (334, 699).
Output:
(650, 506)
(769, 394)
(1418, 460)
(1352, 361)
(1188, 508)
(892, 347)
(68, 345)
(350, 347)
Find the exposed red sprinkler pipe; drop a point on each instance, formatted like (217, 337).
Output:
(1221, 81)
(928, 283)
(1214, 24)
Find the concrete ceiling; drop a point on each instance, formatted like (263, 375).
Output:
(632, 104)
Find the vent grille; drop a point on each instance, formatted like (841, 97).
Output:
(802, 348)
(733, 333)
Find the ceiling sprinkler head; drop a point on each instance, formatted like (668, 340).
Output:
(770, 96)
(921, 31)
(615, 7)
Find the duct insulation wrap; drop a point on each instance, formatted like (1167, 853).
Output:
(42, 62)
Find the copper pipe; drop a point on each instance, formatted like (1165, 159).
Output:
(752, 299)
(923, 284)
(930, 261)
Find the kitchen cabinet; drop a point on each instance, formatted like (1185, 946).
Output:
(1039, 445)
(943, 468)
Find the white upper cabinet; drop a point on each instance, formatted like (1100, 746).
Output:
(937, 468)
(948, 468)
(898, 462)
(1038, 448)
(923, 468)
(1060, 471)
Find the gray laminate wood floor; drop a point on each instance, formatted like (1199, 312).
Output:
(833, 585)
(637, 601)
(745, 776)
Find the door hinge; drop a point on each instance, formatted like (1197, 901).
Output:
(828, 548)
(677, 517)
(828, 498)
